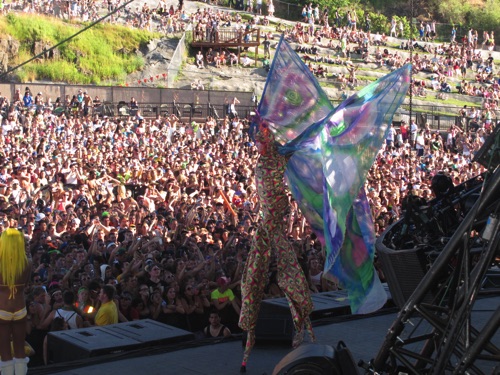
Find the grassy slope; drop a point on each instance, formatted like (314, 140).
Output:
(91, 58)
(95, 56)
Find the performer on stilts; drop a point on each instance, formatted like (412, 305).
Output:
(270, 239)
(324, 154)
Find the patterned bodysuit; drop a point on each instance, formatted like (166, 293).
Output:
(270, 238)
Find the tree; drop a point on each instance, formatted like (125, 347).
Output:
(454, 11)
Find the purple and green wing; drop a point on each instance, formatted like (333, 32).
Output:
(292, 99)
(332, 153)
(327, 179)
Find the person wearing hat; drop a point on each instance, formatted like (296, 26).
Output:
(118, 259)
(79, 96)
(105, 270)
(225, 302)
(15, 270)
(106, 223)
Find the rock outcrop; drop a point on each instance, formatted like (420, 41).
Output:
(9, 48)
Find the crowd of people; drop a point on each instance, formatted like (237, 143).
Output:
(465, 66)
(129, 218)
(165, 211)
(412, 156)
(440, 68)
(163, 18)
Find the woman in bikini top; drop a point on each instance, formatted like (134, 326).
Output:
(15, 269)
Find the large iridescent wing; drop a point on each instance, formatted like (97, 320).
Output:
(292, 99)
(355, 260)
(327, 172)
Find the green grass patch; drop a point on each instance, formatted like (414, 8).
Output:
(246, 16)
(331, 85)
(441, 112)
(251, 54)
(450, 101)
(104, 52)
(367, 79)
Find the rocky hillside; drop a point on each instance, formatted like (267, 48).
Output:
(9, 48)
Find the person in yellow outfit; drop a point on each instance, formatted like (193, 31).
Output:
(15, 270)
(108, 312)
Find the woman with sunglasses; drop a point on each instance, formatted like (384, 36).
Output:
(194, 307)
(126, 309)
(142, 302)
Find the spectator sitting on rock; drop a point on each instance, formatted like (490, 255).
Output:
(233, 59)
(199, 60)
(246, 61)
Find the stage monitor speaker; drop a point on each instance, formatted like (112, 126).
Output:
(492, 279)
(489, 155)
(150, 332)
(309, 359)
(329, 304)
(275, 320)
(403, 270)
(75, 344)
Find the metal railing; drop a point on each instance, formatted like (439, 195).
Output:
(113, 97)
(438, 117)
(186, 112)
(229, 36)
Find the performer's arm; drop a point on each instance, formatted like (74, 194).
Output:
(302, 225)
(290, 223)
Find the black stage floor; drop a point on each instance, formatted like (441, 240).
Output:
(363, 337)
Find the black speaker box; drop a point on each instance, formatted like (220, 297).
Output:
(275, 320)
(488, 154)
(403, 270)
(70, 345)
(328, 304)
(150, 332)
(75, 344)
